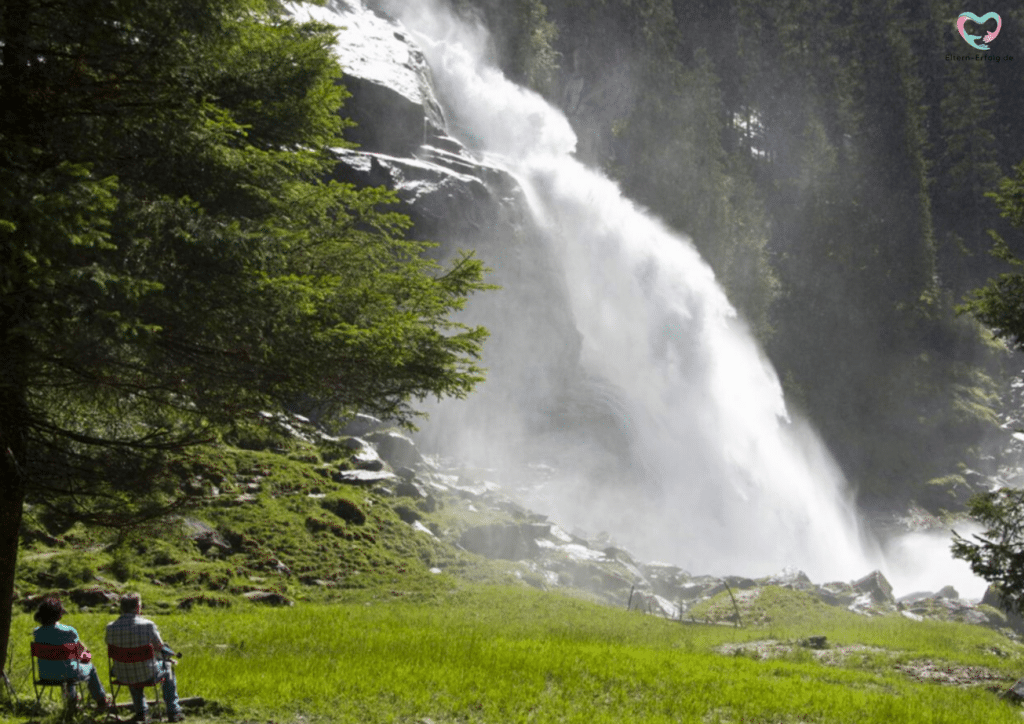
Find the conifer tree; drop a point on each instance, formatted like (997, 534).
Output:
(172, 257)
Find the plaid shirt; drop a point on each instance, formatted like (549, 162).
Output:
(128, 631)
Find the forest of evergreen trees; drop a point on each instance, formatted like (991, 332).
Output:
(831, 162)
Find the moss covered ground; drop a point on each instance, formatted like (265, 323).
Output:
(390, 624)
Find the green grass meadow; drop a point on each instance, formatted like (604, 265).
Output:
(502, 655)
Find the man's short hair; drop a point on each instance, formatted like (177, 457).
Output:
(131, 602)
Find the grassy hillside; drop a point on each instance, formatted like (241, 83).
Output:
(282, 523)
(498, 654)
(392, 624)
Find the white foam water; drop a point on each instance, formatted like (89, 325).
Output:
(727, 480)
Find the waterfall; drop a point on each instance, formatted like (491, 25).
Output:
(723, 479)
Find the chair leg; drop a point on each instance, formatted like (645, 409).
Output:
(11, 692)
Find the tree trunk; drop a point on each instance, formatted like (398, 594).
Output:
(15, 301)
(12, 497)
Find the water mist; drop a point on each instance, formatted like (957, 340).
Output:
(705, 468)
(721, 478)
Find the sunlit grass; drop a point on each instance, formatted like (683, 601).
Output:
(787, 615)
(495, 655)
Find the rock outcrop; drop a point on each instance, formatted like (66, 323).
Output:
(461, 202)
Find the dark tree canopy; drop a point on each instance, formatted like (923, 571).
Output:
(172, 257)
(998, 554)
(1000, 303)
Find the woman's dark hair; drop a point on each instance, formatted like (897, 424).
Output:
(50, 611)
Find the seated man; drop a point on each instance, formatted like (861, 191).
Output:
(131, 630)
(50, 632)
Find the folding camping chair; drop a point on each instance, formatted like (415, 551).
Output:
(134, 655)
(54, 652)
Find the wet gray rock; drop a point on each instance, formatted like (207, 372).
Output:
(508, 542)
(947, 592)
(361, 424)
(740, 583)
(406, 514)
(410, 489)
(388, 76)
(666, 580)
(837, 593)
(92, 597)
(268, 598)
(994, 599)
(700, 587)
(914, 597)
(789, 578)
(368, 459)
(205, 536)
(877, 587)
(461, 201)
(395, 448)
(344, 509)
(363, 478)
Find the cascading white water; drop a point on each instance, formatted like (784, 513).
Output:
(729, 482)
(719, 479)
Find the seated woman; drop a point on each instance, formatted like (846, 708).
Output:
(55, 634)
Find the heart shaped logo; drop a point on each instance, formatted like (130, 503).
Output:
(973, 39)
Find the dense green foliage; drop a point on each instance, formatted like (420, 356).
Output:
(831, 165)
(510, 655)
(172, 258)
(1000, 303)
(997, 555)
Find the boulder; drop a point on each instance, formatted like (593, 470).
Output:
(344, 509)
(407, 514)
(740, 583)
(388, 75)
(697, 587)
(396, 449)
(366, 458)
(93, 597)
(420, 528)
(405, 473)
(508, 542)
(877, 587)
(363, 478)
(790, 578)
(815, 642)
(204, 599)
(360, 425)
(994, 599)
(410, 489)
(836, 593)
(205, 536)
(268, 598)
(1015, 693)
(916, 596)
(947, 592)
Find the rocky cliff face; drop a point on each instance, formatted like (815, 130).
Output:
(460, 202)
